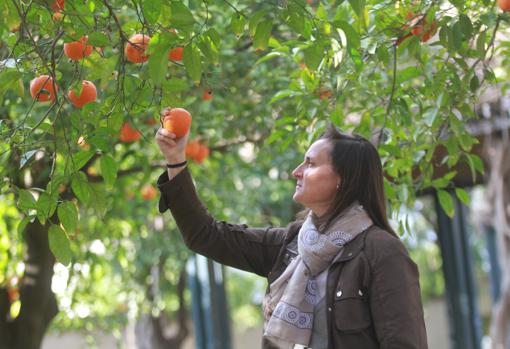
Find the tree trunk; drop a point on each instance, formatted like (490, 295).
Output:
(38, 303)
(498, 199)
(158, 332)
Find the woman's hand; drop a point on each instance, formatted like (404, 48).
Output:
(172, 148)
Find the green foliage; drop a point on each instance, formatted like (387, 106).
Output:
(279, 72)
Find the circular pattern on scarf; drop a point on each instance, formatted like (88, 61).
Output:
(293, 315)
(340, 238)
(312, 292)
(313, 239)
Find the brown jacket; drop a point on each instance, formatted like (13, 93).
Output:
(372, 293)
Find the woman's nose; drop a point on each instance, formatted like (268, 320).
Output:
(297, 172)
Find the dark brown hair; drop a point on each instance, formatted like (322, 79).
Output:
(356, 161)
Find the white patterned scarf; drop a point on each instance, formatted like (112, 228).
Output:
(289, 304)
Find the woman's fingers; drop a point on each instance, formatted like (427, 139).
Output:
(165, 133)
(167, 142)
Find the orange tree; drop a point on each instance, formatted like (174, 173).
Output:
(77, 149)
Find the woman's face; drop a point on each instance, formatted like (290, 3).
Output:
(316, 180)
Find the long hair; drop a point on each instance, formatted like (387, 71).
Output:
(356, 161)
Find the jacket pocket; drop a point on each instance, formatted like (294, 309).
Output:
(351, 313)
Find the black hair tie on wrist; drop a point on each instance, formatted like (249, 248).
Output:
(180, 164)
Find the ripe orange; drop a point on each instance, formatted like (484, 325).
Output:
(203, 153)
(192, 149)
(149, 192)
(504, 5)
(57, 16)
(175, 54)
(135, 48)
(41, 89)
(76, 50)
(58, 5)
(177, 121)
(88, 94)
(207, 96)
(129, 134)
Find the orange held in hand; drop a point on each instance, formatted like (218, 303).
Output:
(76, 50)
(176, 120)
(41, 89)
(504, 5)
(129, 134)
(135, 48)
(88, 94)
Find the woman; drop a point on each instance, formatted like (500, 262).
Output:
(338, 277)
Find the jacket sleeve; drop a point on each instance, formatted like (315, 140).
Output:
(236, 245)
(395, 299)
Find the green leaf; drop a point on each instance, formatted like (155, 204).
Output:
(269, 56)
(59, 244)
(22, 225)
(283, 94)
(68, 216)
(175, 85)
(313, 55)
(100, 204)
(476, 164)
(109, 170)
(255, 20)
(237, 23)
(192, 62)
(466, 26)
(209, 45)
(53, 185)
(9, 80)
(296, 20)
(152, 10)
(457, 36)
(446, 202)
(262, 34)
(115, 121)
(26, 200)
(98, 39)
(80, 187)
(158, 64)
(462, 195)
(430, 116)
(352, 36)
(358, 6)
(181, 17)
(408, 74)
(474, 83)
(46, 206)
(79, 159)
(480, 44)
